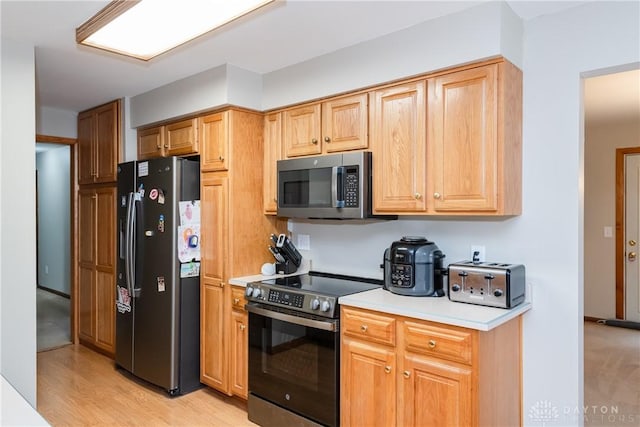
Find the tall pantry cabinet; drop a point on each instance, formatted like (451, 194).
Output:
(99, 150)
(234, 239)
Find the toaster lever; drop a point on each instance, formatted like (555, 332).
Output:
(489, 278)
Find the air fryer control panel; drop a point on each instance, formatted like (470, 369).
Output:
(402, 275)
(492, 284)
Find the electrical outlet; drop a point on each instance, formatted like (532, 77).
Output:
(304, 242)
(481, 256)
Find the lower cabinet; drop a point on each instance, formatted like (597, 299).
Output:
(239, 344)
(96, 267)
(398, 371)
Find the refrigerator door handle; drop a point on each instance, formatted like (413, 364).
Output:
(130, 245)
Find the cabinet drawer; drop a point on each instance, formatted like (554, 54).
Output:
(237, 298)
(447, 343)
(369, 326)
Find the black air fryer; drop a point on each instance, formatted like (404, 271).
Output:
(413, 267)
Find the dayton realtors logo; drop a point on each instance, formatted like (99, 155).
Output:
(546, 413)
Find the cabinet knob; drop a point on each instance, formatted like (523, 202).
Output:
(418, 196)
(275, 200)
(222, 284)
(158, 146)
(436, 195)
(327, 139)
(432, 344)
(221, 158)
(406, 374)
(314, 141)
(242, 327)
(387, 369)
(166, 145)
(364, 328)
(236, 301)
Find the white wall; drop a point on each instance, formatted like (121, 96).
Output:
(56, 122)
(18, 223)
(601, 141)
(54, 248)
(483, 31)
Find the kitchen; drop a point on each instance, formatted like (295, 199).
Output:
(556, 319)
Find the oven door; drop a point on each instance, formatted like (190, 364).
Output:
(294, 362)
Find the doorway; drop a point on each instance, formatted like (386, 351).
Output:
(53, 234)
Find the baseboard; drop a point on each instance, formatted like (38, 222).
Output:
(54, 291)
(592, 319)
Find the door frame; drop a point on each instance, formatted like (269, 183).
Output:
(621, 153)
(73, 194)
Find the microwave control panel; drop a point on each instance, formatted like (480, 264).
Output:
(351, 187)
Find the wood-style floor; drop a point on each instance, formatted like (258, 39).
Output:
(79, 387)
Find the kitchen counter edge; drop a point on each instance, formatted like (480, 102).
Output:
(242, 281)
(440, 310)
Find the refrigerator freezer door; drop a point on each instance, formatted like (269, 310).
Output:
(124, 302)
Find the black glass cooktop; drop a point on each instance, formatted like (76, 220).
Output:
(325, 283)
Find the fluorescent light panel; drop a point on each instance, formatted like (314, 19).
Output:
(148, 28)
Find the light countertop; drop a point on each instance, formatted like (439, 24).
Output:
(440, 310)
(242, 281)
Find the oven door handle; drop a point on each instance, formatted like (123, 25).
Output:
(329, 325)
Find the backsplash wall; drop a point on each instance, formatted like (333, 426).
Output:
(357, 248)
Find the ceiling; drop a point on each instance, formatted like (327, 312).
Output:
(74, 78)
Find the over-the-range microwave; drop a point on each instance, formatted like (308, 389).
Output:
(336, 186)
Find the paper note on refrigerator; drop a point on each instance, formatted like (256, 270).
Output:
(189, 243)
(189, 212)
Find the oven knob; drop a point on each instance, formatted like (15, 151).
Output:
(315, 304)
(249, 291)
(257, 292)
(325, 306)
(498, 293)
(455, 288)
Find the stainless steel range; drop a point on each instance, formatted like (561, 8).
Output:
(294, 348)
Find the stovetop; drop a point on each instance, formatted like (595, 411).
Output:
(314, 293)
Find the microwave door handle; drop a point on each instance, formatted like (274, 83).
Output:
(337, 187)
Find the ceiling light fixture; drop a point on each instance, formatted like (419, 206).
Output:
(145, 29)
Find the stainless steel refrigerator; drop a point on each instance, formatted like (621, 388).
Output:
(157, 310)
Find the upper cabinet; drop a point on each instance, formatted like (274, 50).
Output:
(272, 153)
(214, 134)
(173, 139)
(398, 142)
(336, 125)
(99, 144)
(475, 144)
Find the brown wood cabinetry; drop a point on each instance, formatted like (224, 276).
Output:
(214, 133)
(398, 142)
(173, 139)
(336, 125)
(272, 153)
(234, 236)
(475, 144)
(99, 144)
(406, 372)
(96, 266)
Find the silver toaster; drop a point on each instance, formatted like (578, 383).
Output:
(487, 283)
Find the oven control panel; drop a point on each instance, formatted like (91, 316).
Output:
(320, 305)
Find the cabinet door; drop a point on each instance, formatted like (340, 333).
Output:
(86, 264)
(214, 137)
(107, 142)
(398, 139)
(435, 393)
(86, 159)
(213, 216)
(301, 132)
(181, 138)
(463, 122)
(368, 384)
(345, 124)
(239, 342)
(272, 153)
(213, 344)
(151, 143)
(105, 286)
